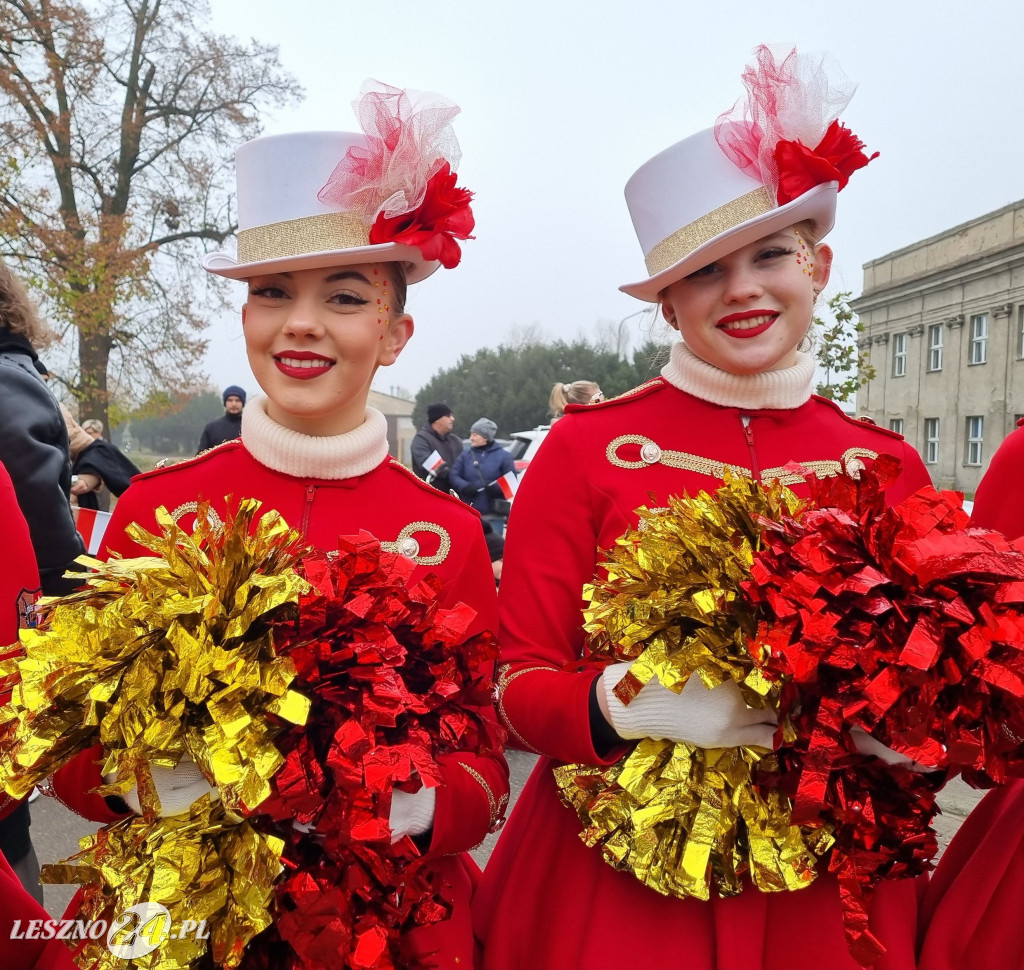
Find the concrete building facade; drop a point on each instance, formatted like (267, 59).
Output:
(401, 431)
(944, 324)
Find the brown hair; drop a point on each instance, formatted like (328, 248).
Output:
(578, 392)
(399, 284)
(18, 313)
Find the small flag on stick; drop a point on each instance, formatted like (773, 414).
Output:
(433, 463)
(508, 483)
(91, 525)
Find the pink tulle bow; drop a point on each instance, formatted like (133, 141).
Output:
(407, 143)
(792, 100)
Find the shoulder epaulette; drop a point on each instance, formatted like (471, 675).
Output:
(857, 422)
(412, 476)
(167, 466)
(641, 390)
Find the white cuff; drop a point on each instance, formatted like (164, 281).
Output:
(411, 814)
(177, 788)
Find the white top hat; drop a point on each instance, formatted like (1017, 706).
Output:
(282, 224)
(748, 177)
(691, 205)
(333, 198)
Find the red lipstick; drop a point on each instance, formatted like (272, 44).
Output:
(767, 318)
(286, 362)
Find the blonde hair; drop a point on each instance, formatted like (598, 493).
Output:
(578, 392)
(18, 312)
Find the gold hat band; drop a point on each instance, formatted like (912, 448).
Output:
(297, 237)
(683, 242)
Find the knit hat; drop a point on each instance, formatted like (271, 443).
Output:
(233, 391)
(436, 411)
(484, 427)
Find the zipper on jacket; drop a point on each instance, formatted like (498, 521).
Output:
(310, 493)
(748, 434)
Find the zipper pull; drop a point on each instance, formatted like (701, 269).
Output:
(310, 493)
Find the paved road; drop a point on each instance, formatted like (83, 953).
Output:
(55, 830)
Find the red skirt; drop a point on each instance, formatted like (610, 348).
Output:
(971, 913)
(548, 901)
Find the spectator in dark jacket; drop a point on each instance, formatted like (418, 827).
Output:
(99, 468)
(33, 438)
(476, 471)
(436, 435)
(228, 427)
(34, 450)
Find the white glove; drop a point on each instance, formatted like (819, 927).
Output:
(177, 788)
(717, 718)
(866, 744)
(411, 814)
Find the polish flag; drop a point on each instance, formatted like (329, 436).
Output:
(433, 463)
(91, 525)
(508, 483)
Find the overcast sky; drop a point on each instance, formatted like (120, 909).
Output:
(562, 100)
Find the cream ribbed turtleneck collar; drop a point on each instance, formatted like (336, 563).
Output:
(775, 389)
(306, 456)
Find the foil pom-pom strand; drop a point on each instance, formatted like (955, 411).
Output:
(207, 866)
(164, 657)
(682, 819)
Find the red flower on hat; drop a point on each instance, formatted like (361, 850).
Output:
(443, 216)
(837, 156)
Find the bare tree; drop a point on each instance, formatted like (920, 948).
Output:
(118, 122)
(846, 366)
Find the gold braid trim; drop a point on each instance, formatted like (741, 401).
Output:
(504, 680)
(407, 545)
(495, 805)
(684, 241)
(192, 508)
(851, 462)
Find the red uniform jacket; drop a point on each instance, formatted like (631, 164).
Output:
(970, 916)
(596, 467)
(442, 534)
(19, 585)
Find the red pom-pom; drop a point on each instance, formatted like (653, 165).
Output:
(394, 683)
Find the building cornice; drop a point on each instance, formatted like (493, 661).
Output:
(950, 275)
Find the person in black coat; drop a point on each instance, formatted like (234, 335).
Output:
(476, 471)
(33, 439)
(436, 435)
(34, 450)
(228, 427)
(100, 469)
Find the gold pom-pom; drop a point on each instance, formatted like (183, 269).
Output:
(160, 658)
(680, 818)
(208, 866)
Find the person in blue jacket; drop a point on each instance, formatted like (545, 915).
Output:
(477, 470)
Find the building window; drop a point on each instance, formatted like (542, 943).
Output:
(931, 441)
(899, 355)
(896, 424)
(935, 347)
(976, 350)
(975, 439)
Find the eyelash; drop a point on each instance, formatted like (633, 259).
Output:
(270, 292)
(773, 252)
(349, 299)
(276, 293)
